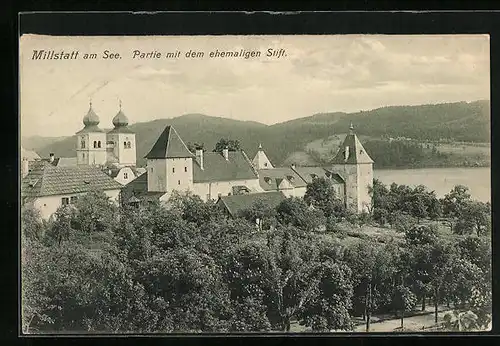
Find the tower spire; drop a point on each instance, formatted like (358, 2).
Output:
(351, 129)
(260, 146)
(120, 103)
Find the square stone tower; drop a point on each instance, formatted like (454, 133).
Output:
(169, 164)
(91, 141)
(354, 164)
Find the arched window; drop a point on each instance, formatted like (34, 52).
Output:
(99, 144)
(125, 145)
(82, 144)
(95, 144)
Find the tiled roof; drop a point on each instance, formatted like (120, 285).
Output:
(237, 203)
(121, 129)
(138, 186)
(217, 168)
(356, 153)
(49, 180)
(29, 154)
(308, 173)
(169, 145)
(90, 128)
(269, 179)
(67, 162)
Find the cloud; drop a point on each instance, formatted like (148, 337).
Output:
(319, 74)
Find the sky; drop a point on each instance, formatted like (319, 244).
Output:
(345, 73)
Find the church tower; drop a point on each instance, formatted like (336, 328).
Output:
(91, 141)
(121, 149)
(169, 164)
(260, 161)
(354, 164)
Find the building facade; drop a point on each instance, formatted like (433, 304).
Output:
(213, 175)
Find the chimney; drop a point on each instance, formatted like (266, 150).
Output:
(51, 157)
(199, 157)
(24, 167)
(225, 152)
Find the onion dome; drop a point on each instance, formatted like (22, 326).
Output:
(91, 119)
(120, 119)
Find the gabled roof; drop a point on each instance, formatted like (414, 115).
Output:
(308, 173)
(269, 179)
(138, 188)
(169, 145)
(121, 129)
(29, 154)
(90, 129)
(237, 203)
(356, 152)
(48, 180)
(217, 168)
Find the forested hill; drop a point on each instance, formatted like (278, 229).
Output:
(459, 121)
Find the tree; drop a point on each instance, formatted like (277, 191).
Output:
(295, 212)
(69, 288)
(402, 222)
(192, 208)
(474, 217)
(373, 268)
(230, 144)
(320, 194)
(192, 147)
(454, 202)
(404, 300)
(421, 235)
(61, 226)
(261, 214)
(95, 212)
(191, 285)
(32, 226)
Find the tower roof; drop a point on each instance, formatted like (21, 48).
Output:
(353, 149)
(90, 121)
(120, 119)
(169, 145)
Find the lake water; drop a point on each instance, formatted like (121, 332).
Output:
(441, 180)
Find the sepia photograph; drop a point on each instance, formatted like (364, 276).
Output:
(255, 184)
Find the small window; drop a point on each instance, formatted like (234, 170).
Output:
(125, 175)
(178, 182)
(95, 144)
(99, 144)
(151, 169)
(65, 201)
(125, 145)
(82, 144)
(83, 155)
(265, 164)
(129, 145)
(73, 199)
(173, 170)
(185, 169)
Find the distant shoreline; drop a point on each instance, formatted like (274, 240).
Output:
(426, 167)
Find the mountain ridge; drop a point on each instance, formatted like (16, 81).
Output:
(459, 121)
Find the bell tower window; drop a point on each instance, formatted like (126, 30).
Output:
(95, 144)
